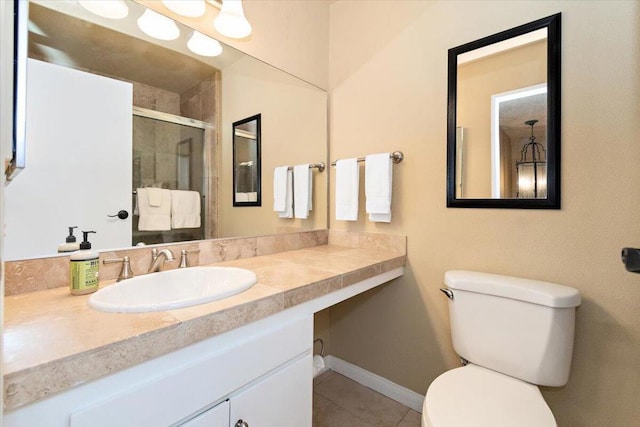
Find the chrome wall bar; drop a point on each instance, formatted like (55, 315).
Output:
(396, 156)
(320, 166)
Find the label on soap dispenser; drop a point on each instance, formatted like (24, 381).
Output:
(84, 276)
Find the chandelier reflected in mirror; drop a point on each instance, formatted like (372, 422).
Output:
(532, 168)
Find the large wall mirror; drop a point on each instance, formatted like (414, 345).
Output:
(503, 119)
(111, 110)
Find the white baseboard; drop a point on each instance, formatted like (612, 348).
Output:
(375, 382)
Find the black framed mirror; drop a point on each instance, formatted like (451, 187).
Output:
(503, 119)
(247, 162)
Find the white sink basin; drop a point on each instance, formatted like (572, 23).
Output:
(171, 289)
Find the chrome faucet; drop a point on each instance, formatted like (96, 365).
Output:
(158, 259)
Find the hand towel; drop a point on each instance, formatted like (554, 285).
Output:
(154, 218)
(280, 188)
(283, 192)
(347, 189)
(185, 209)
(378, 184)
(302, 190)
(155, 196)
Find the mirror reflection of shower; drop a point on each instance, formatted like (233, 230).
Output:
(169, 154)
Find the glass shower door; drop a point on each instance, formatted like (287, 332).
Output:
(167, 155)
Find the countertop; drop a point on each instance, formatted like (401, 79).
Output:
(53, 341)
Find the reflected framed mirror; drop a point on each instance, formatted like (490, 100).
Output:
(503, 119)
(247, 162)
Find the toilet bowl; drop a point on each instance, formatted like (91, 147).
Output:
(515, 334)
(473, 396)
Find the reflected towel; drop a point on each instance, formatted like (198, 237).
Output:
(154, 218)
(185, 209)
(302, 190)
(378, 185)
(283, 192)
(347, 188)
(155, 196)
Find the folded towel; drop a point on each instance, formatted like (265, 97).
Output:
(242, 197)
(283, 192)
(378, 184)
(302, 190)
(347, 188)
(154, 218)
(155, 196)
(252, 197)
(280, 188)
(185, 209)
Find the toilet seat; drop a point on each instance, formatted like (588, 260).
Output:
(473, 396)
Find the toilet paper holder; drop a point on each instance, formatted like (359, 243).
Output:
(321, 345)
(631, 259)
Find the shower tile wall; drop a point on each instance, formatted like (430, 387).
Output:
(155, 159)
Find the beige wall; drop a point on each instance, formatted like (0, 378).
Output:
(388, 80)
(293, 131)
(477, 82)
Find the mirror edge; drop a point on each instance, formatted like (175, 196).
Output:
(258, 119)
(553, 25)
(20, 29)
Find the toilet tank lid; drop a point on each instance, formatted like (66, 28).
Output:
(533, 291)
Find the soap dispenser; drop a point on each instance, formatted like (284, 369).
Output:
(84, 268)
(70, 245)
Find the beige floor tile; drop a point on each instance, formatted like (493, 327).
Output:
(328, 414)
(362, 402)
(412, 419)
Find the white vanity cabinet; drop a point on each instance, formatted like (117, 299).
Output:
(218, 416)
(281, 398)
(260, 373)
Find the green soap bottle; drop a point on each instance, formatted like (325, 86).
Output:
(84, 268)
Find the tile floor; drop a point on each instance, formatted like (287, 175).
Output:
(339, 401)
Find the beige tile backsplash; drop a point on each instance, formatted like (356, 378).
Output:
(52, 272)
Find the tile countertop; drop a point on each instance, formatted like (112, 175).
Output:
(53, 341)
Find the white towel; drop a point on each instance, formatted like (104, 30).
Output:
(155, 196)
(252, 197)
(154, 218)
(242, 197)
(283, 192)
(378, 184)
(302, 190)
(185, 209)
(347, 189)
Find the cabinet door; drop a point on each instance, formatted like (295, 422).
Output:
(218, 416)
(281, 399)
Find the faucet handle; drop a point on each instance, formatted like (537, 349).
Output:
(126, 272)
(183, 257)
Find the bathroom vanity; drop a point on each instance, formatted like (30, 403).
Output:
(244, 359)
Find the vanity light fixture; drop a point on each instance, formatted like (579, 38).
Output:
(189, 8)
(157, 26)
(112, 9)
(204, 45)
(231, 21)
(532, 168)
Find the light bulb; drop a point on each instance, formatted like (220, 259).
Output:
(157, 26)
(231, 21)
(190, 8)
(112, 9)
(204, 45)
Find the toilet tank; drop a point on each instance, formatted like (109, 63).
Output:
(520, 327)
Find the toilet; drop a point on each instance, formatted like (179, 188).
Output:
(512, 334)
